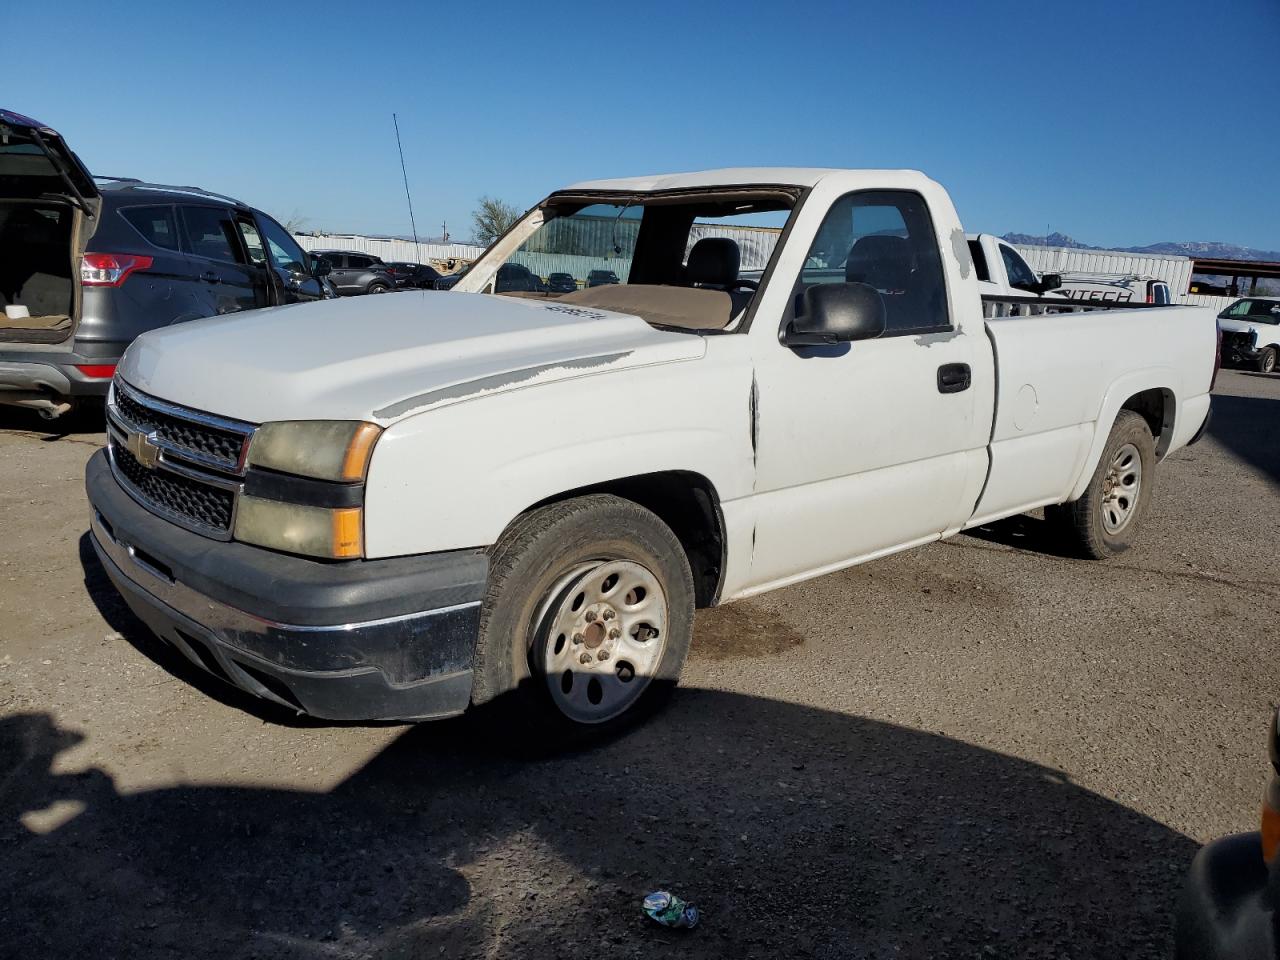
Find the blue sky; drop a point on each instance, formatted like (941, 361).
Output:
(1120, 122)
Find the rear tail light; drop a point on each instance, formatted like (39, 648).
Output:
(1151, 297)
(110, 269)
(1217, 358)
(98, 371)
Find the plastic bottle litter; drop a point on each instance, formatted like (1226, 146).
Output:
(669, 910)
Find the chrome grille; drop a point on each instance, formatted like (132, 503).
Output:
(212, 441)
(172, 493)
(192, 465)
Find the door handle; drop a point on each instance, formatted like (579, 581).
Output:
(954, 377)
(209, 276)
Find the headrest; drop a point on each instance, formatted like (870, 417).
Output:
(882, 262)
(713, 261)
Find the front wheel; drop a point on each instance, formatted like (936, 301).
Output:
(1266, 361)
(588, 615)
(1104, 521)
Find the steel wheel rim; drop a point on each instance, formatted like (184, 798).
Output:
(604, 635)
(1120, 489)
(1269, 362)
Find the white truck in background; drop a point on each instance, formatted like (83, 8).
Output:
(1115, 288)
(1002, 271)
(398, 507)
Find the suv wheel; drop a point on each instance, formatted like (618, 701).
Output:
(378, 288)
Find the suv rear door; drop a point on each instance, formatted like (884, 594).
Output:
(341, 275)
(227, 281)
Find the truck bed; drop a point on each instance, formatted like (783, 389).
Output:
(1062, 378)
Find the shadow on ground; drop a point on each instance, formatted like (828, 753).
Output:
(1024, 532)
(1250, 428)
(90, 418)
(113, 609)
(798, 831)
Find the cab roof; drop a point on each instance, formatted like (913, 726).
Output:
(726, 177)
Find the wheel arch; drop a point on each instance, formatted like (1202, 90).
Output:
(688, 503)
(1146, 393)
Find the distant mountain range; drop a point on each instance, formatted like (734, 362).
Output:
(1217, 251)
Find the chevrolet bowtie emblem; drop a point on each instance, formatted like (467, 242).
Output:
(143, 450)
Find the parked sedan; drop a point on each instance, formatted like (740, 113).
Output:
(412, 275)
(1232, 894)
(601, 278)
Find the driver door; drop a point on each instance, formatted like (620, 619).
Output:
(867, 447)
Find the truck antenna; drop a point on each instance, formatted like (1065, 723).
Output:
(417, 250)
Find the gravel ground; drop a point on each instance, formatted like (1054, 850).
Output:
(975, 749)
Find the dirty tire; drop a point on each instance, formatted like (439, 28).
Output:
(1266, 360)
(1083, 523)
(532, 569)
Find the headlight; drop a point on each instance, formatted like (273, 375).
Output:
(324, 449)
(293, 528)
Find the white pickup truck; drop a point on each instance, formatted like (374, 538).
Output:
(1002, 271)
(397, 507)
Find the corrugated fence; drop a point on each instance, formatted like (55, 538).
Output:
(388, 248)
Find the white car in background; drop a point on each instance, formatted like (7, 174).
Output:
(1251, 333)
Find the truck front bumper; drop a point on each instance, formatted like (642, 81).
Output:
(386, 639)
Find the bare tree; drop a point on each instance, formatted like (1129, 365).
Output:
(296, 222)
(492, 220)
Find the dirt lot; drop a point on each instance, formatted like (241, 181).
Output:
(975, 749)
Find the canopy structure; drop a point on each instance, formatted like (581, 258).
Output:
(1233, 271)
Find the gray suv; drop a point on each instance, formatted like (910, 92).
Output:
(87, 265)
(354, 272)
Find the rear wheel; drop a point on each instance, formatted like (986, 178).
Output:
(588, 615)
(1104, 521)
(378, 288)
(1266, 361)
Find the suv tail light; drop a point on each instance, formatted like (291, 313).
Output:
(110, 269)
(98, 371)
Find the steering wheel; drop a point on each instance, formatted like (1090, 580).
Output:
(743, 282)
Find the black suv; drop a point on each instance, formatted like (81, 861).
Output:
(87, 265)
(561, 283)
(408, 275)
(601, 278)
(355, 272)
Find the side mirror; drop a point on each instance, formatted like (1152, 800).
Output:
(837, 313)
(320, 267)
(1050, 281)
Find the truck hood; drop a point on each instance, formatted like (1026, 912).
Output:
(1239, 325)
(386, 357)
